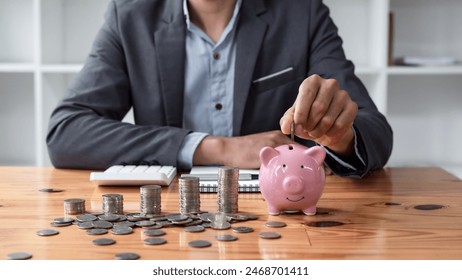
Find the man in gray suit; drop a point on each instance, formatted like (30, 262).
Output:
(213, 82)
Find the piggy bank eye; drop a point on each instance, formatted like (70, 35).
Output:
(302, 166)
(283, 166)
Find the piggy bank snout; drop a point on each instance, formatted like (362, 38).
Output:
(292, 185)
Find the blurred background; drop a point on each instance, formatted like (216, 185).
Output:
(407, 52)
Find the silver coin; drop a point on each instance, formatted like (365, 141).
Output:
(220, 226)
(47, 232)
(155, 241)
(154, 232)
(199, 243)
(86, 218)
(50, 190)
(269, 235)
(63, 220)
(194, 223)
(104, 241)
(194, 228)
(135, 217)
(156, 226)
(121, 230)
(145, 223)
(127, 256)
(124, 224)
(53, 224)
(97, 231)
(177, 217)
(275, 224)
(243, 229)
(85, 225)
(226, 237)
(110, 217)
(102, 224)
(19, 256)
(182, 222)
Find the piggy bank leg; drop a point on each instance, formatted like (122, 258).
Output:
(310, 211)
(274, 211)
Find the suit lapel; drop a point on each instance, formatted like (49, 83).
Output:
(249, 37)
(170, 44)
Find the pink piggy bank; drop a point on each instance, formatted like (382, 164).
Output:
(292, 178)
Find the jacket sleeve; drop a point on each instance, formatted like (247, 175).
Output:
(85, 130)
(327, 59)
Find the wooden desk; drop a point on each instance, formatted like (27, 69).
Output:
(380, 221)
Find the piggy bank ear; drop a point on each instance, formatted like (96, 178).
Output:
(267, 153)
(316, 152)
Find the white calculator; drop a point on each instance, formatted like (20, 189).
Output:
(135, 175)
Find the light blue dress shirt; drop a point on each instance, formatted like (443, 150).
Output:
(209, 87)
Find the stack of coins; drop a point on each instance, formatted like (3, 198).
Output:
(113, 204)
(189, 195)
(227, 191)
(74, 206)
(150, 199)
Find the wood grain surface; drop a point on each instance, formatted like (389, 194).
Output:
(376, 219)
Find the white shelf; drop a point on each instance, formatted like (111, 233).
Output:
(425, 70)
(17, 67)
(61, 68)
(44, 44)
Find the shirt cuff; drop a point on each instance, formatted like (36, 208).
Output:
(187, 149)
(344, 163)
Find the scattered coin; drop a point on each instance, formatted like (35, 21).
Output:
(325, 224)
(54, 224)
(47, 232)
(145, 223)
(428, 207)
(124, 224)
(275, 224)
(19, 256)
(243, 229)
(121, 230)
(220, 226)
(50, 190)
(86, 218)
(102, 224)
(104, 241)
(110, 217)
(199, 244)
(225, 237)
(197, 228)
(154, 241)
(154, 232)
(97, 231)
(269, 235)
(85, 225)
(156, 226)
(127, 256)
(177, 217)
(63, 220)
(392, 203)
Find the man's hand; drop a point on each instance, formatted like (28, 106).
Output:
(242, 152)
(324, 113)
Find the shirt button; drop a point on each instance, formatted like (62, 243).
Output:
(216, 56)
(218, 106)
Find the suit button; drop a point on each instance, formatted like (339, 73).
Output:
(216, 56)
(218, 106)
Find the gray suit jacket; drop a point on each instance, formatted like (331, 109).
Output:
(137, 60)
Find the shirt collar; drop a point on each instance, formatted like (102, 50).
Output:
(188, 20)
